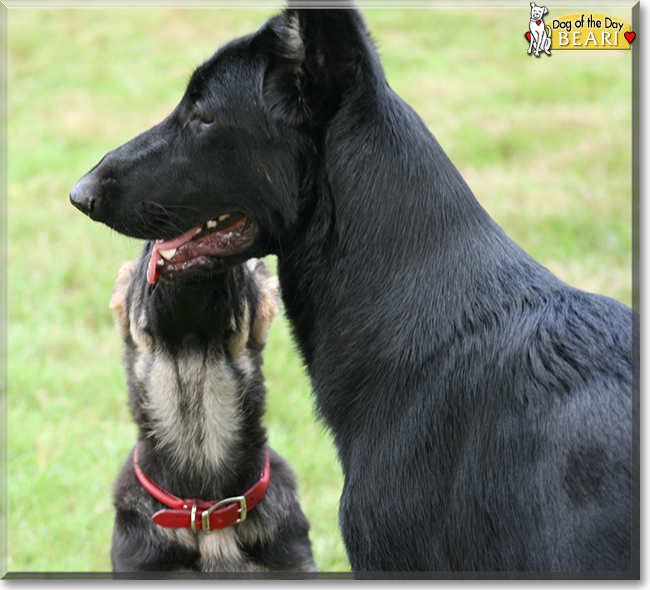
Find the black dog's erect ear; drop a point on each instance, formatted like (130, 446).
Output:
(316, 53)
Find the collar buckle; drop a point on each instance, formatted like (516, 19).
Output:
(205, 515)
(193, 516)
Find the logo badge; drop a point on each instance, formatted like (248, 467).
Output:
(576, 31)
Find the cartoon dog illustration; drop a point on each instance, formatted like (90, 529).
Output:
(539, 38)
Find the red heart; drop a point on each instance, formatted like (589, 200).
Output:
(630, 36)
(528, 35)
(537, 22)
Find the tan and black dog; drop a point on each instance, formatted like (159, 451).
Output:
(193, 343)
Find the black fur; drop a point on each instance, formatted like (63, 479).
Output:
(481, 408)
(167, 327)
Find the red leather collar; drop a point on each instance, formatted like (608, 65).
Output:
(203, 515)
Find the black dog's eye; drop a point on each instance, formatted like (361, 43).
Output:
(200, 116)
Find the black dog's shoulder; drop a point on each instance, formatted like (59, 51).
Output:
(521, 443)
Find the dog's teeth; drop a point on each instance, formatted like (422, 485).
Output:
(210, 224)
(198, 231)
(168, 254)
(224, 217)
(160, 262)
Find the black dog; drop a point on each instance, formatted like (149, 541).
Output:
(193, 359)
(481, 408)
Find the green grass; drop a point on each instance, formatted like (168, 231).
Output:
(544, 143)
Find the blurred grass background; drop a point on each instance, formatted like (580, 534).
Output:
(544, 143)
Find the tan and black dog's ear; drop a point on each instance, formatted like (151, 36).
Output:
(316, 54)
(118, 301)
(269, 303)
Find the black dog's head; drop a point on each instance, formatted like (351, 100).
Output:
(222, 175)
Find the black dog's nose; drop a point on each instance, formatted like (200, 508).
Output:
(82, 195)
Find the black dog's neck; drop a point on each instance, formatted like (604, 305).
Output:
(394, 217)
(201, 402)
(395, 259)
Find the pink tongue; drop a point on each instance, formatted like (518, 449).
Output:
(152, 269)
